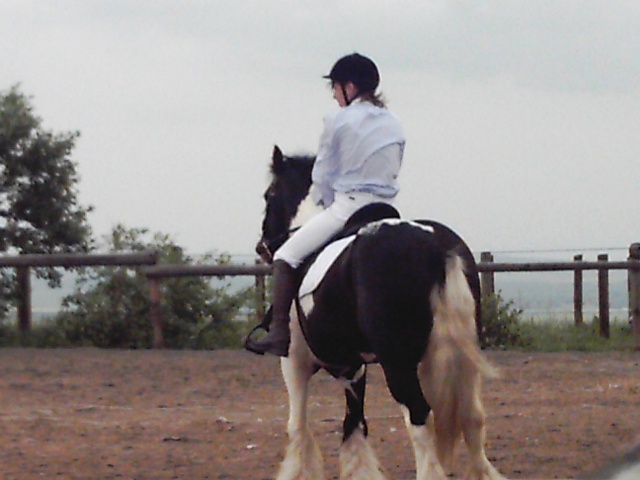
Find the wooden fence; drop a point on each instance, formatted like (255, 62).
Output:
(24, 263)
(155, 273)
(488, 267)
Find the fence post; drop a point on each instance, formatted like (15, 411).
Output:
(155, 295)
(23, 279)
(634, 294)
(577, 293)
(603, 296)
(487, 279)
(261, 296)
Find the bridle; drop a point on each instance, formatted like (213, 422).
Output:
(267, 248)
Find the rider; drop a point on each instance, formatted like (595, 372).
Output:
(358, 161)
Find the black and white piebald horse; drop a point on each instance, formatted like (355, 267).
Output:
(397, 295)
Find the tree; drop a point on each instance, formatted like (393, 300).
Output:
(111, 306)
(39, 210)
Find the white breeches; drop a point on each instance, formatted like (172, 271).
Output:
(319, 230)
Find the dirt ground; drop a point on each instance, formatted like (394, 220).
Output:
(99, 414)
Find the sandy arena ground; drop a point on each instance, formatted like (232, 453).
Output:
(151, 415)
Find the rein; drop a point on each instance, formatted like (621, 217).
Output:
(264, 245)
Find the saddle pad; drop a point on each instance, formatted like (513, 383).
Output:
(321, 264)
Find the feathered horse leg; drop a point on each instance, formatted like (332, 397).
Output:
(357, 459)
(303, 460)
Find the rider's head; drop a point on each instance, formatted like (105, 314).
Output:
(361, 73)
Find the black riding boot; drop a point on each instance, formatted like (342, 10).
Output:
(285, 284)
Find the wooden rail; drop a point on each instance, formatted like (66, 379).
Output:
(602, 264)
(160, 271)
(70, 260)
(24, 263)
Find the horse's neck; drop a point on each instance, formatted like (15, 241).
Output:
(306, 210)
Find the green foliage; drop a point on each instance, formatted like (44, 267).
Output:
(111, 308)
(44, 335)
(565, 335)
(500, 323)
(39, 211)
(504, 327)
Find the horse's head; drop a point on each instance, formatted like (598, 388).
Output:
(290, 183)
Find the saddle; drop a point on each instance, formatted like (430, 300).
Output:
(367, 214)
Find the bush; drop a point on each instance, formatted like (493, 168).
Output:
(44, 335)
(111, 308)
(504, 327)
(501, 323)
(113, 312)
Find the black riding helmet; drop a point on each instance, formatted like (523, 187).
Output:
(357, 69)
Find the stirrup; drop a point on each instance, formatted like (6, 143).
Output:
(248, 341)
(278, 346)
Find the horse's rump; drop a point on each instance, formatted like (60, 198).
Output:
(375, 298)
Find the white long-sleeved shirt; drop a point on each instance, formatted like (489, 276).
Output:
(361, 149)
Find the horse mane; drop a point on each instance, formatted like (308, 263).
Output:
(292, 174)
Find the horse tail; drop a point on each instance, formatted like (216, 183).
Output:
(453, 365)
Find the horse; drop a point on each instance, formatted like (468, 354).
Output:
(396, 295)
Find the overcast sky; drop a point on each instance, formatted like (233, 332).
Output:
(522, 117)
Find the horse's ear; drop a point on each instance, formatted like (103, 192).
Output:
(277, 159)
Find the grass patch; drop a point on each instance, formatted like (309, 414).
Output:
(49, 333)
(564, 335)
(45, 334)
